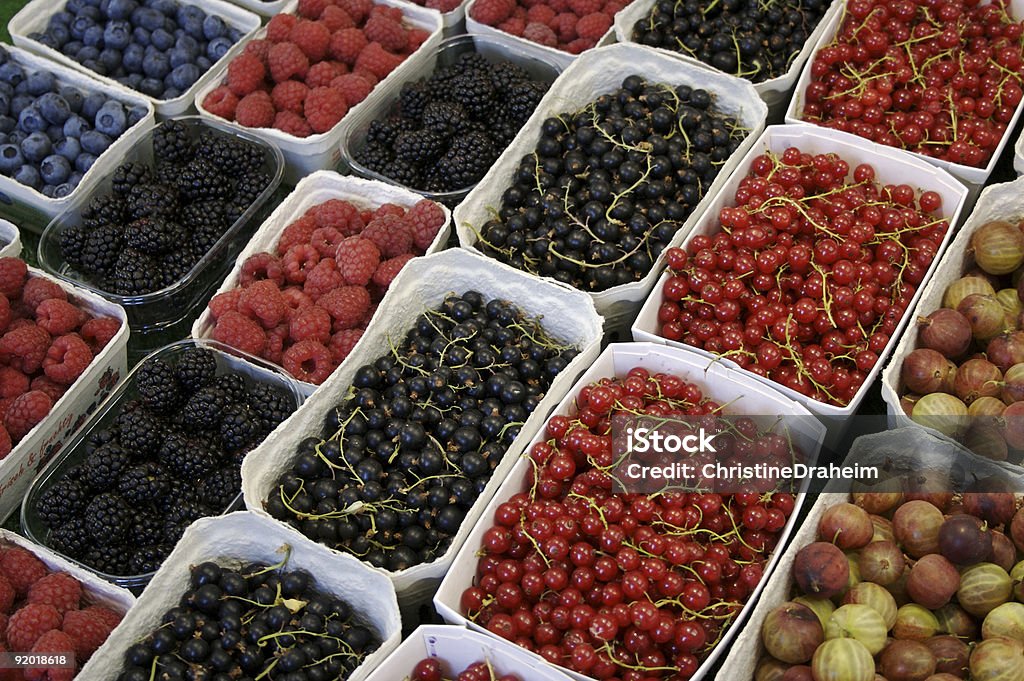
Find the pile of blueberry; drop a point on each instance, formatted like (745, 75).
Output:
(158, 47)
(51, 134)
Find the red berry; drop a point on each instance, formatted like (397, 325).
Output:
(222, 102)
(58, 589)
(255, 110)
(29, 623)
(324, 108)
(354, 87)
(262, 301)
(245, 74)
(286, 60)
(24, 347)
(342, 343)
(289, 96)
(391, 234)
(38, 289)
(309, 361)
(89, 628)
(310, 323)
(346, 45)
(66, 359)
(13, 273)
(492, 12)
(312, 37)
(347, 306)
(357, 259)
(425, 219)
(238, 331)
(378, 61)
(388, 32)
(280, 27)
(389, 269)
(99, 331)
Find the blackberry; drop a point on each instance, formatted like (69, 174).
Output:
(180, 516)
(199, 180)
(196, 368)
(102, 468)
(413, 99)
(147, 528)
(402, 173)
(145, 200)
(171, 142)
(228, 154)
(474, 91)
(184, 458)
(94, 441)
(105, 209)
(152, 236)
(143, 484)
(522, 101)
(418, 147)
(71, 538)
(157, 383)
(205, 215)
(247, 190)
(148, 559)
(239, 427)
(443, 117)
(65, 500)
(466, 160)
(384, 132)
(506, 74)
(134, 274)
(110, 559)
(166, 173)
(178, 262)
(271, 405)
(233, 386)
(219, 489)
(140, 430)
(102, 249)
(129, 175)
(108, 519)
(72, 244)
(182, 491)
(374, 155)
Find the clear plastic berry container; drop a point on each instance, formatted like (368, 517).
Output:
(162, 316)
(229, 360)
(382, 103)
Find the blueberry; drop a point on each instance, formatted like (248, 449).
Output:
(12, 73)
(191, 19)
(121, 9)
(73, 96)
(3, 55)
(91, 11)
(161, 39)
(20, 102)
(48, 191)
(132, 58)
(136, 114)
(16, 137)
(75, 178)
(234, 35)
(55, 133)
(5, 104)
(68, 147)
(111, 120)
(45, 39)
(84, 162)
(140, 36)
(180, 33)
(87, 53)
(171, 26)
(63, 190)
(156, 65)
(117, 34)
(92, 103)
(153, 87)
(6, 90)
(204, 63)
(184, 76)
(21, 88)
(135, 81)
(80, 25)
(111, 59)
(54, 169)
(166, 7)
(54, 108)
(3, 138)
(217, 48)
(179, 57)
(147, 18)
(31, 119)
(75, 126)
(60, 19)
(95, 142)
(10, 158)
(188, 44)
(8, 124)
(71, 48)
(41, 82)
(60, 35)
(36, 147)
(213, 27)
(170, 93)
(95, 66)
(93, 37)
(73, 7)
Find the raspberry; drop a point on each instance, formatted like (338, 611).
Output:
(335, 19)
(389, 269)
(443, 5)
(25, 347)
(286, 61)
(255, 110)
(5, 313)
(30, 622)
(347, 306)
(262, 266)
(89, 628)
(66, 359)
(222, 102)
(99, 332)
(292, 123)
(342, 343)
(559, 5)
(541, 34)
(541, 14)
(378, 61)
(346, 45)
(53, 641)
(393, 13)
(38, 289)
(222, 303)
(298, 232)
(337, 214)
(418, 36)
(12, 382)
(245, 74)
(289, 96)
(49, 386)
(312, 37)
(25, 412)
(12, 277)
(238, 331)
(565, 26)
(357, 260)
(366, 75)
(262, 300)
(357, 9)
(321, 75)
(58, 589)
(259, 47)
(593, 26)
(579, 45)
(325, 107)
(425, 219)
(310, 323)
(276, 337)
(58, 317)
(582, 8)
(296, 298)
(323, 278)
(280, 27)
(353, 86)
(22, 569)
(7, 596)
(5, 442)
(391, 234)
(389, 33)
(299, 261)
(5, 404)
(514, 26)
(309, 361)
(493, 12)
(388, 209)
(311, 9)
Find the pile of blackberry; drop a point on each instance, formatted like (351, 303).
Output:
(242, 623)
(751, 39)
(610, 185)
(449, 129)
(403, 457)
(167, 458)
(157, 221)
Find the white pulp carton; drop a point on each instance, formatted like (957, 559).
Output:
(971, 176)
(997, 202)
(567, 315)
(234, 540)
(1018, 155)
(457, 648)
(775, 92)
(304, 155)
(12, 192)
(727, 386)
(310, 191)
(10, 240)
(34, 16)
(597, 72)
(891, 165)
(68, 414)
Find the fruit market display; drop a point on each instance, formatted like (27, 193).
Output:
(908, 586)
(413, 443)
(746, 38)
(47, 342)
(252, 621)
(52, 133)
(623, 586)
(158, 220)
(310, 68)
(943, 79)
(568, 25)
(432, 669)
(158, 47)
(449, 129)
(159, 462)
(305, 305)
(609, 185)
(805, 279)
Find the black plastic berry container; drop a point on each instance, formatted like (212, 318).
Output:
(229, 360)
(381, 104)
(161, 316)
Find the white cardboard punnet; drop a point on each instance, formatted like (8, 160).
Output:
(1018, 155)
(239, 538)
(10, 240)
(728, 386)
(566, 314)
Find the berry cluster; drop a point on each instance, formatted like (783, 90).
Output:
(808, 274)
(313, 66)
(432, 669)
(157, 221)
(749, 39)
(942, 81)
(158, 47)
(47, 343)
(449, 129)
(623, 585)
(47, 612)
(51, 134)
(305, 306)
(568, 25)
(405, 455)
(243, 623)
(609, 185)
(159, 462)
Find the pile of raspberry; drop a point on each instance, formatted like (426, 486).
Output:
(47, 612)
(568, 25)
(306, 305)
(46, 342)
(313, 66)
